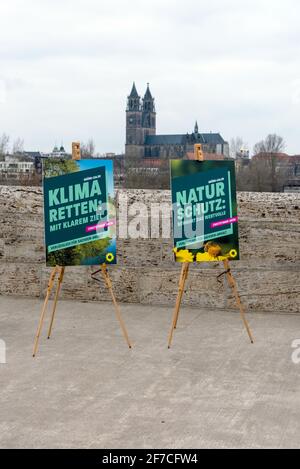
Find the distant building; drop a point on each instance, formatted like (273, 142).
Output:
(37, 157)
(242, 158)
(142, 141)
(31, 154)
(243, 154)
(58, 152)
(14, 168)
(289, 187)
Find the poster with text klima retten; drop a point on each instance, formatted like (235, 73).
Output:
(79, 212)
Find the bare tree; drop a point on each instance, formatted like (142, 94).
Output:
(236, 145)
(271, 144)
(244, 181)
(264, 173)
(267, 172)
(87, 149)
(32, 179)
(18, 146)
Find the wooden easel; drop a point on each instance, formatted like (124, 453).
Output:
(108, 284)
(198, 153)
(58, 272)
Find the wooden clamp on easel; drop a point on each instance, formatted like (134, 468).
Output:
(58, 271)
(198, 154)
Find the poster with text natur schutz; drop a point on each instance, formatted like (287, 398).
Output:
(79, 212)
(204, 207)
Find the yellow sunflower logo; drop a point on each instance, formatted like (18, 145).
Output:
(109, 257)
(233, 253)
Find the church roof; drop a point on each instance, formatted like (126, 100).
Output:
(165, 139)
(180, 139)
(213, 138)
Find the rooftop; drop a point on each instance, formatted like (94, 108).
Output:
(180, 139)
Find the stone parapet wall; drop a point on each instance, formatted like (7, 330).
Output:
(267, 275)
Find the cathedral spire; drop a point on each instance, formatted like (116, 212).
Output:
(196, 128)
(148, 110)
(148, 94)
(134, 93)
(148, 101)
(133, 100)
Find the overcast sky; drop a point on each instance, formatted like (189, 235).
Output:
(67, 66)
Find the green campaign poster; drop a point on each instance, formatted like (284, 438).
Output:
(79, 212)
(204, 210)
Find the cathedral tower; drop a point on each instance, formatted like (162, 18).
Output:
(134, 134)
(134, 147)
(148, 113)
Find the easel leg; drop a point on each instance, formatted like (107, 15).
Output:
(118, 312)
(60, 279)
(232, 284)
(49, 289)
(182, 280)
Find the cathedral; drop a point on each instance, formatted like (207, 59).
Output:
(142, 141)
